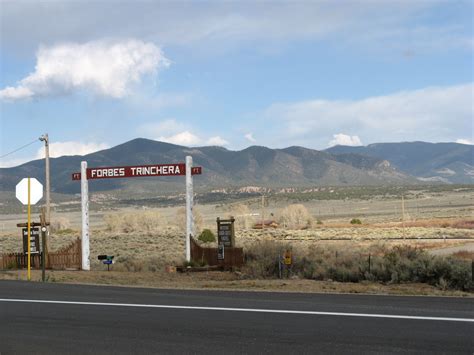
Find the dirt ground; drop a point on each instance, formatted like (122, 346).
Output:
(227, 281)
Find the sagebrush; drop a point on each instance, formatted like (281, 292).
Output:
(395, 265)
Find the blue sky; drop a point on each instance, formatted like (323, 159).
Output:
(309, 73)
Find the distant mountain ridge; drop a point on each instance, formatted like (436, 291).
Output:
(443, 162)
(255, 165)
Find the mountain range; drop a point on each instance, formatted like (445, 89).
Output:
(375, 164)
(443, 162)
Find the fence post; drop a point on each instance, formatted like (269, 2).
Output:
(472, 271)
(369, 264)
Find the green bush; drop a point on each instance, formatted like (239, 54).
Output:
(207, 236)
(356, 221)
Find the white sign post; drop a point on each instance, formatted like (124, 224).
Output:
(29, 191)
(189, 207)
(86, 264)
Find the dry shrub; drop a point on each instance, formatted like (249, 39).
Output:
(242, 215)
(399, 264)
(59, 224)
(131, 264)
(295, 216)
(180, 220)
(463, 224)
(464, 254)
(143, 221)
(262, 259)
(434, 223)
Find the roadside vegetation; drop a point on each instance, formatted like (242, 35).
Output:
(399, 264)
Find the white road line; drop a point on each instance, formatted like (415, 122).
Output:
(254, 310)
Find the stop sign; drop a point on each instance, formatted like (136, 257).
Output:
(36, 191)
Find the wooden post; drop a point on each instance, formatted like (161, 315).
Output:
(403, 217)
(369, 264)
(43, 243)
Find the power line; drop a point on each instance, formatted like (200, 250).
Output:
(20, 148)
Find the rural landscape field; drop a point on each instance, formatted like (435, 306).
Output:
(236, 177)
(146, 239)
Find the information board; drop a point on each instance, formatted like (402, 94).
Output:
(225, 232)
(34, 240)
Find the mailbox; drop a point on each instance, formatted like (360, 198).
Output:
(106, 260)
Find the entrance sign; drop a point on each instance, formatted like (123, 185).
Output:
(178, 169)
(137, 171)
(36, 191)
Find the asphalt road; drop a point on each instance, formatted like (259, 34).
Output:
(61, 319)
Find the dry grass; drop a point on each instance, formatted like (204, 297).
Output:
(59, 223)
(227, 281)
(433, 223)
(143, 221)
(242, 215)
(180, 220)
(464, 254)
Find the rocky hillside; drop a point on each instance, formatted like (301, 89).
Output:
(260, 166)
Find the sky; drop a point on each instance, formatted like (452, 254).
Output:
(237, 73)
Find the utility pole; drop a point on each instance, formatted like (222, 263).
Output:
(45, 138)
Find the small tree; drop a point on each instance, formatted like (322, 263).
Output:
(207, 236)
(295, 217)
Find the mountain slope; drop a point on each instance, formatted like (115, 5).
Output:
(447, 162)
(255, 165)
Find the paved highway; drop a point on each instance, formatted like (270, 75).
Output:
(57, 318)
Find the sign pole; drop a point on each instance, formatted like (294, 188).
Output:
(29, 231)
(189, 207)
(85, 217)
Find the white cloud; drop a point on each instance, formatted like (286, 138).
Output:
(396, 23)
(431, 114)
(344, 139)
(185, 138)
(59, 149)
(172, 131)
(217, 140)
(13, 162)
(465, 141)
(98, 67)
(249, 137)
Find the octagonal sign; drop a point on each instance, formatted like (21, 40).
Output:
(36, 191)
